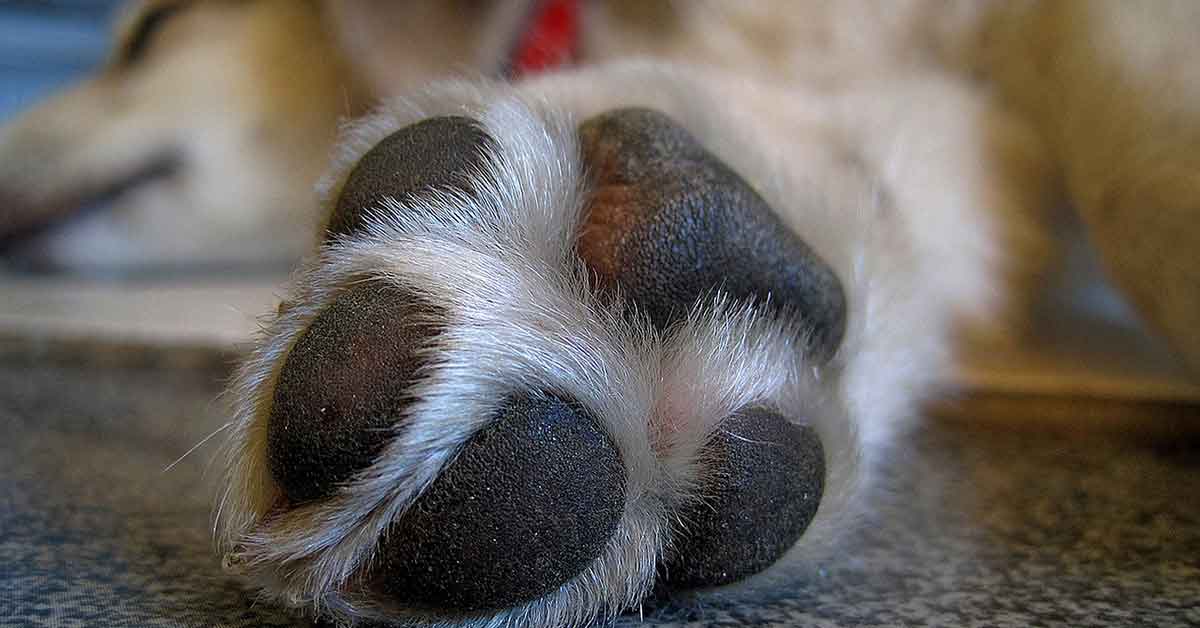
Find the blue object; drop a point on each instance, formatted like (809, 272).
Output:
(48, 44)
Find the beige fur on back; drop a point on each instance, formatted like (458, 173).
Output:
(1114, 89)
(1095, 99)
(248, 96)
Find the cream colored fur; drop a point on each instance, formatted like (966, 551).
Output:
(882, 137)
(244, 97)
(1112, 88)
(247, 131)
(917, 146)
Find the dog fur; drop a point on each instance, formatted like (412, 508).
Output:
(920, 151)
(210, 123)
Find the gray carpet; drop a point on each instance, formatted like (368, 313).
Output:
(977, 526)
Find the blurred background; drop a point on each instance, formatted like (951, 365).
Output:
(46, 47)
(195, 256)
(46, 44)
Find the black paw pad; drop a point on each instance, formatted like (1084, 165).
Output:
(527, 504)
(764, 485)
(670, 223)
(437, 152)
(343, 386)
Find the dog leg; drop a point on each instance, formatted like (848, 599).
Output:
(568, 341)
(1111, 87)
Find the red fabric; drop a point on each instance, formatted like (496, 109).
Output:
(550, 40)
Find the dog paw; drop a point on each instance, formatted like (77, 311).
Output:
(537, 369)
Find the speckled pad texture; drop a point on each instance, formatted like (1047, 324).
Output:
(437, 152)
(527, 504)
(344, 387)
(764, 482)
(974, 526)
(669, 223)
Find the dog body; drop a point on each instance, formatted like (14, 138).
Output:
(184, 104)
(208, 127)
(594, 243)
(652, 320)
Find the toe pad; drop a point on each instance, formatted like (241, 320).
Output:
(764, 484)
(434, 153)
(528, 503)
(343, 388)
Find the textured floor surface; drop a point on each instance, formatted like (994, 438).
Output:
(978, 526)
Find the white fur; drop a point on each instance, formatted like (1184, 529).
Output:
(912, 180)
(522, 317)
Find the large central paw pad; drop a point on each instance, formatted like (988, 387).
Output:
(670, 223)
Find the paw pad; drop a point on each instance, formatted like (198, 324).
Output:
(344, 386)
(437, 152)
(527, 504)
(764, 480)
(534, 508)
(669, 223)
